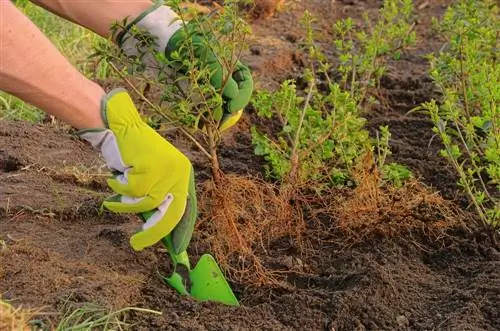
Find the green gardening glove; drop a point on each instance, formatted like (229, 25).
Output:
(171, 34)
(237, 90)
(150, 173)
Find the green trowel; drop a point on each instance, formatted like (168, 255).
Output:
(204, 282)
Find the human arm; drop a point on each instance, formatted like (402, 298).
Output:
(32, 69)
(151, 174)
(98, 15)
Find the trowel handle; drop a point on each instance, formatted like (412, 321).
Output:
(182, 257)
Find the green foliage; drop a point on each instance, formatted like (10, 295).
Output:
(467, 119)
(75, 317)
(321, 132)
(91, 317)
(13, 108)
(394, 173)
(362, 53)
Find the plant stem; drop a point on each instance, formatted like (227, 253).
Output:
(353, 64)
(462, 81)
(282, 119)
(479, 208)
(212, 146)
(295, 155)
(367, 79)
(473, 161)
(159, 111)
(318, 143)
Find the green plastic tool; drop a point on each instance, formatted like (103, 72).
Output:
(204, 282)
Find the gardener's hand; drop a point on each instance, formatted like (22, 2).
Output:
(238, 88)
(151, 175)
(161, 22)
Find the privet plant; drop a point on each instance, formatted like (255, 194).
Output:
(322, 134)
(466, 118)
(186, 98)
(363, 53)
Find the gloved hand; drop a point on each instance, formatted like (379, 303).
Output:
(164, 24)
(150, 173)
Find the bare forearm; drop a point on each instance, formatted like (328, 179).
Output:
(96, 15)
(32, 69)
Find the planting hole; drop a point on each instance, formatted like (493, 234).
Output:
(9, 163)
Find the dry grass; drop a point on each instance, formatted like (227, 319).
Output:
(94, 176)
(12, 318)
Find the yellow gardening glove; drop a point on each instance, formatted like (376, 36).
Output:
(151, 174)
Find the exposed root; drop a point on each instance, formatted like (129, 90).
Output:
(241, 217)
(373, 208)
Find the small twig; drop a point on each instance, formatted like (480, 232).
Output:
(303, 115)
(423, 5)
(295, 156)
(317, 143)
(282, 119)
(158, 110)
(216, 172)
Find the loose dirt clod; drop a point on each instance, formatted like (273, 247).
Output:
(264, 9)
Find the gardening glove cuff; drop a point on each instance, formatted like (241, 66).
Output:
(163, 24)
(160, 21)
(150, 174)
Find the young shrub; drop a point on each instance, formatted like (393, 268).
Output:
(393, 173)
(466, 118)
(363, 51)
(183, 97)
(322, 136)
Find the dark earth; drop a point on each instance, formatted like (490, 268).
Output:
(57, 250)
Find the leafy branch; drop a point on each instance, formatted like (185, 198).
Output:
(467, 119)
(186, 97)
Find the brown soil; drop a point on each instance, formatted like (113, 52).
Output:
(434, 274)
